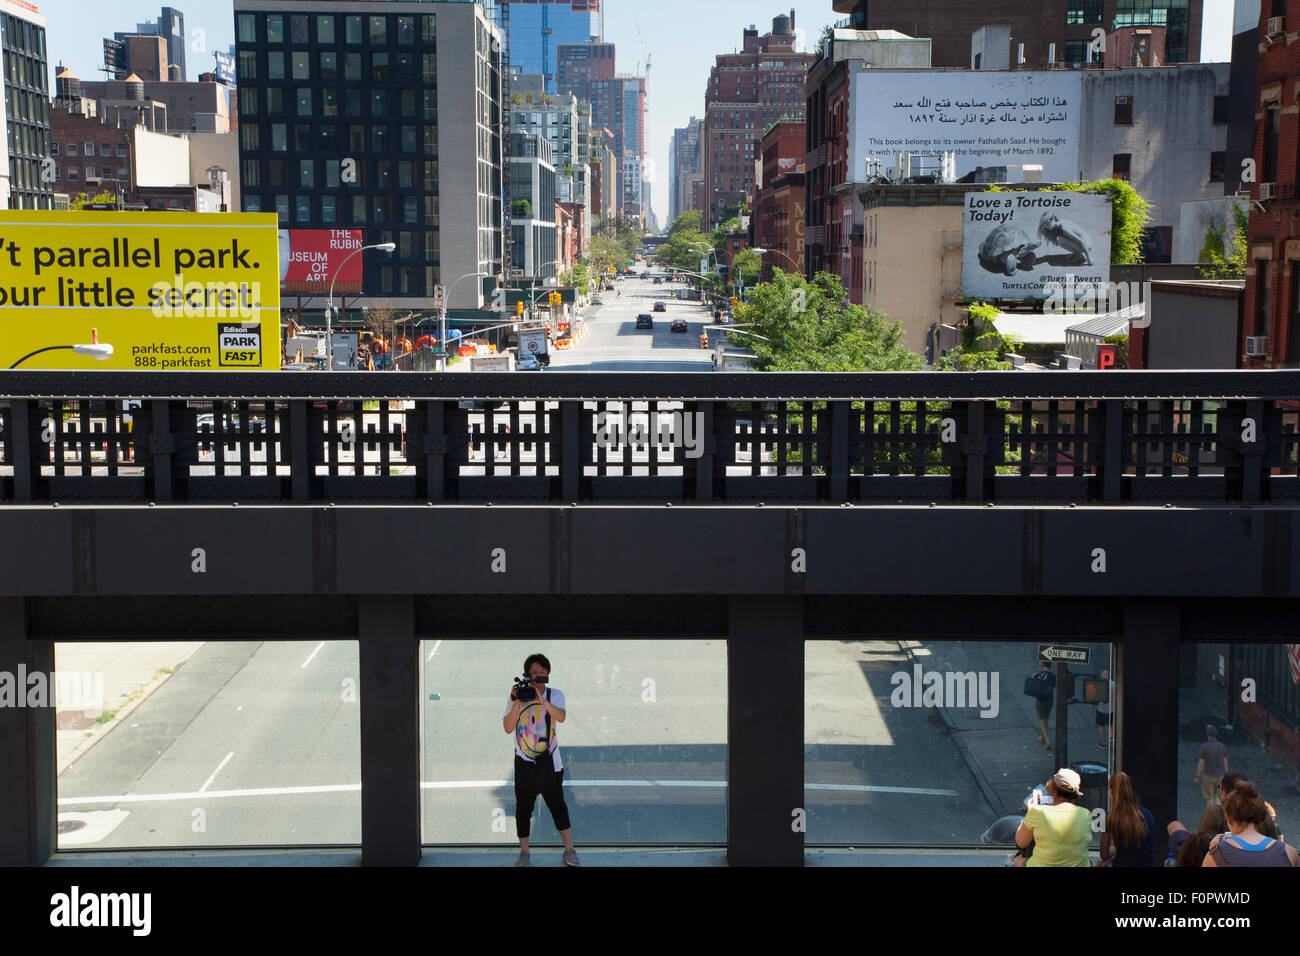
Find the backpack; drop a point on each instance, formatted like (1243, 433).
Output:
(1040, 685)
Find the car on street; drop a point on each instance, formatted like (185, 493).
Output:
(677, 325)
(661, 307)
(645, 321)
(659, 280)
(597, 300)
(528, 363)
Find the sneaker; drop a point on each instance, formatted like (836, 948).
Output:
(523, 858)
(571, 858)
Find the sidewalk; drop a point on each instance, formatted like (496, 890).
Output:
(131, 672)
(1001, 751)
(1006, 761)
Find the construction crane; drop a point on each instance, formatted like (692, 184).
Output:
(644, 52)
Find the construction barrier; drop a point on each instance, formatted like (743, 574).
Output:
(563, 343)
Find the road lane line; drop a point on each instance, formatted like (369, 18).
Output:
(436, 644)
(207, 783)
(313, 654)
(471, 785)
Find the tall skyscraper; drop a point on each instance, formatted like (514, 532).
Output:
(24, 110)
(580, 64)
(748, 90)
(686, 168)
(141, 57)
(539, 27)
(383, 117)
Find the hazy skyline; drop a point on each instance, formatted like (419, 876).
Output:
(682, 39)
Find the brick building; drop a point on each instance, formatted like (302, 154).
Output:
(747, 92)
(779, 207)
(1271, 333)
(1046, 28)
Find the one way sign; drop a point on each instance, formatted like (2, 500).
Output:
(1048, 653)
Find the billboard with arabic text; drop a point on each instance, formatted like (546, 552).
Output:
(985, 119)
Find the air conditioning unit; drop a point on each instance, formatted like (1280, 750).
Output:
(1276, 26)
(1257, 345)
(1266, 191)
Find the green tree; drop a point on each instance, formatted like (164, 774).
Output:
(84, 199)
(1129, 214)
(603, 254)
(1217, 261)
(746, 266)
(521, 208)
(983, 348)
(801, 326)
(688, 221)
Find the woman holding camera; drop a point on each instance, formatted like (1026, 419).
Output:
(1059, 831)
(531, 714)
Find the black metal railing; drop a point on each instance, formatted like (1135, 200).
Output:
(1014, 437)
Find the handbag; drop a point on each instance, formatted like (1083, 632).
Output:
(1039, 686)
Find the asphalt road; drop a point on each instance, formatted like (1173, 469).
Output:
(614, 344)
(258, 743)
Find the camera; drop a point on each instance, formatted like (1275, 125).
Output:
(524, 689)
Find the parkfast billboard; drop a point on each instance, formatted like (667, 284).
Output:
(168, 291)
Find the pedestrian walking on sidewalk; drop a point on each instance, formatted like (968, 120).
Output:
(1211, 765)
(1043, 703)
(1103, 711)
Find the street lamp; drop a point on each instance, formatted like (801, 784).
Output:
(442, 314)
(329, 309)
(712, 251)
(96, 350)
(764, 252)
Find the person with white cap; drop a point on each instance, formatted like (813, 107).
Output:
(1060, 831)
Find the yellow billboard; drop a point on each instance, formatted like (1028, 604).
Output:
(139, 291)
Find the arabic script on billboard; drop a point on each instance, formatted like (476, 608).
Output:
(1021, 245)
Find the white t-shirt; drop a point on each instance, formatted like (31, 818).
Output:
(532, 724)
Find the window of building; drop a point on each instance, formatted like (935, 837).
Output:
(105, 172)
(1121, 165)
(351, 66)
(304, 101)
(279, 138)
(275, 65)
(54, 149)
(252, 203)
(105, 149)
(250, 139)
(248, 65)
(379, 66)
(406, 31)
(248, 101)
(1083, 11)
(326, 137)
(89, 148)
(275, 100)
(73, 175)
(123, 173)
(428, 27)
(1263, 296)
(246, 27)
(408, 139)
(359, 210)
(1220, 110)
(379, 30)
(1218, 164)
(302, 138)
(274, 28)
(329, 102)
(275, 173)
(250, 173)
(301, 68)
(298, 28)
(307, 173)
(1123, 111)
(282, 209)
(324, 29)
(303, 211)
(1272, 138)
(329, 65)
(352, 30)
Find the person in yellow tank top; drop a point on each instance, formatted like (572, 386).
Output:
(1060, 831)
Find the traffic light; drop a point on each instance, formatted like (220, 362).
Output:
(519, 308)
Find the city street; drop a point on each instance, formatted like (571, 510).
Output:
(614, 344)
(258, 743)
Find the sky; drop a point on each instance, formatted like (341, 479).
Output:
(682, 37)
